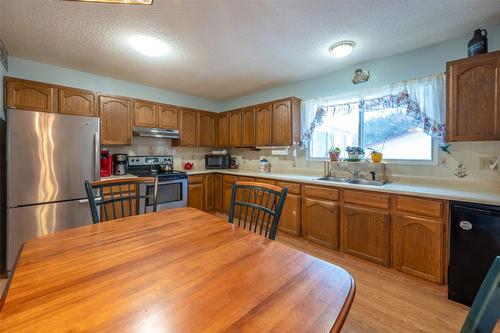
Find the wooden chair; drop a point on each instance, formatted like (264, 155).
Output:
(119, 198)
(485, 311)
(257, 207)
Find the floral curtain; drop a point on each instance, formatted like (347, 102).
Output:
(422, 98)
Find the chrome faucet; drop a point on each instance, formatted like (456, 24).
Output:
(355, 174)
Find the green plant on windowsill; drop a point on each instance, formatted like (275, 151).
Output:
(334, 153)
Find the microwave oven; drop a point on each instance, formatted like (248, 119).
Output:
(216, 161)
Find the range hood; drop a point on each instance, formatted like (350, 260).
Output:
(155, 133)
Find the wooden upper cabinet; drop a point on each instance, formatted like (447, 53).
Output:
(77, 102)
(168, 117)
(116, 120)
(223, 129)
(145, 114)
(206, 129)
(29, 95)
(188, 120)
(248, 127)
(263, 125)
(473, 98)
(234, 128)
(285, 122)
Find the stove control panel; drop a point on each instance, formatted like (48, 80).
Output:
(150, 160)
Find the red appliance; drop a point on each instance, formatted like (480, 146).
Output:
(106, 163)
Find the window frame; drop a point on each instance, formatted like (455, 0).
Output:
(361, 139)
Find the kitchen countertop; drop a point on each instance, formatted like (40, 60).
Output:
(118, 177)
(429, 191)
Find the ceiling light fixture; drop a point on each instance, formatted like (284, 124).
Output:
(127, 2)
(342, 48)
(150, 46)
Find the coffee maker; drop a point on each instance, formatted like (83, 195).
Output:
(120, 164)
(106, 163)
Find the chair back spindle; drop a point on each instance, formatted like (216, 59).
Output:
(257, 207)
(119, 198)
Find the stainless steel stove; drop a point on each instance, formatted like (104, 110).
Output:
(172, 184)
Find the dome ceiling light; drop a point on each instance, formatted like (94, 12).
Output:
(149, 46)
(342, 48)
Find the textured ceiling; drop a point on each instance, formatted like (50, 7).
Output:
(226, 49)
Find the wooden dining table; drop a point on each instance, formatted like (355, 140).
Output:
(179, 270)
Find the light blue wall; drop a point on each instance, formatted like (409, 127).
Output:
(403, 66)
(31, 70)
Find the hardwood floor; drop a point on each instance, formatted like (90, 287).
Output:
(387, 300)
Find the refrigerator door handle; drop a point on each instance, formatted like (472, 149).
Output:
(87, 200)
(97, 158)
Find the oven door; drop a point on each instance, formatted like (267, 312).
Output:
(171, 194)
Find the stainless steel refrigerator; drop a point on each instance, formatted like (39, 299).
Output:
(49, 156)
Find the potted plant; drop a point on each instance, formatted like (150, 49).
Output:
(355, 153)
(334, 153)
(376, 154)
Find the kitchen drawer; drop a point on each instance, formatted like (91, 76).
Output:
(420, 207)
(381, 201)
(266, 181)
(229, 179)
(321, 192)
(195, 179)
(246, 179)
(293, 188)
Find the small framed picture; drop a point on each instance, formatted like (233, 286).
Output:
(4, 56)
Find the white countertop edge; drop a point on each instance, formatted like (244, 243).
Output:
(118, 177)
(490, 198)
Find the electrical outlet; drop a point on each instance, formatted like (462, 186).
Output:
(486, 161)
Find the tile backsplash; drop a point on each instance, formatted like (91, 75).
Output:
(152, 146)
(444, 173)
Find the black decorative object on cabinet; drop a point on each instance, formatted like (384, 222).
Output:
(479, 43)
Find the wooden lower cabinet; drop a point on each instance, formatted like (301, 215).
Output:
(366, 233)
(403, 232)
(290, 215)
(227, 187)
(320, 221)
(209, 187)
(218, 192)
(419, 247)
(196, 192)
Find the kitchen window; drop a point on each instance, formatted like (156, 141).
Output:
(391, 121)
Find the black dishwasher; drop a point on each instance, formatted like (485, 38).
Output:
(474, 243)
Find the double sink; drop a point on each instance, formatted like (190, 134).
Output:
(353, 181)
